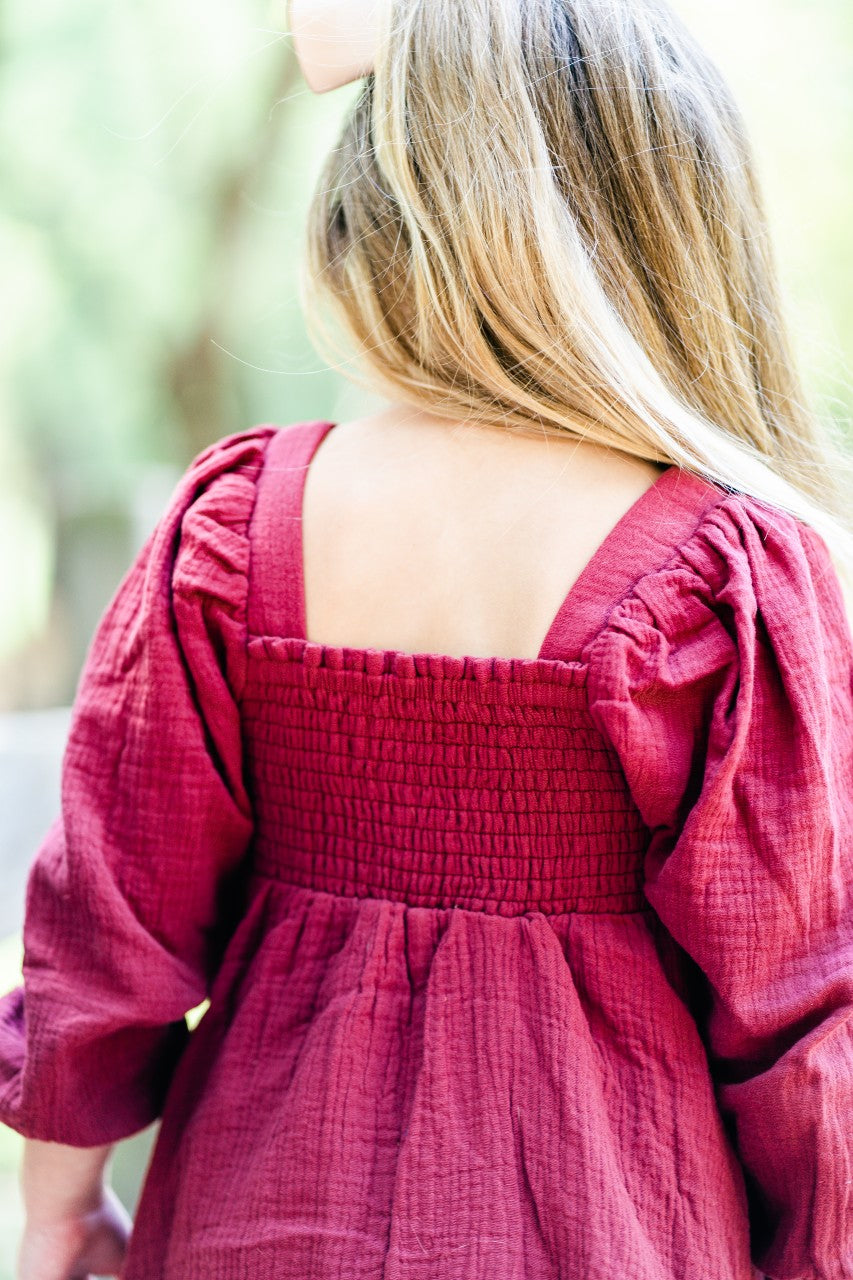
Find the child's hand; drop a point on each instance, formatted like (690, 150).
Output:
(76, 1246)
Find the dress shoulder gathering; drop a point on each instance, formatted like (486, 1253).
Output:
(517, 969)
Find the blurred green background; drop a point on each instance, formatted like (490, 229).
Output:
(155, 168)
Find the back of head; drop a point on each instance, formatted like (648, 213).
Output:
(545, 213)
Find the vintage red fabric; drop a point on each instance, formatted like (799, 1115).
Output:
(519, 969)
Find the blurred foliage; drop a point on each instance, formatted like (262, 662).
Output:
(155, 167)
(790, 65)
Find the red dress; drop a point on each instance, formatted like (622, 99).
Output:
(518, 969)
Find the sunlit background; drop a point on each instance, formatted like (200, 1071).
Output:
(156, 162)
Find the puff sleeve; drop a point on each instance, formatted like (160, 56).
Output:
(125, 905)
(724, 682)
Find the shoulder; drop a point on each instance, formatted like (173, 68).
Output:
(240, 455)
(742, 553)
(196, 565)
(744, 625)
(220, 485)
(208, 520)
(750, 585)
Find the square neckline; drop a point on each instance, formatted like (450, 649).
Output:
(640, 541)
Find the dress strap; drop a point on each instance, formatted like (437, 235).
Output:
(641, 542)
(277, 588)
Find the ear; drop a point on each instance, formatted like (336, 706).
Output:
(334, 40)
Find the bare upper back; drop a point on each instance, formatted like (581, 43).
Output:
(427, 537)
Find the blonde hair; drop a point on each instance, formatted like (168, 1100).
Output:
(545, 214)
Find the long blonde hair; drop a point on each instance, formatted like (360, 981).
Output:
(545, 214)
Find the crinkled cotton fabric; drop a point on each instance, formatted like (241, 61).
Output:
(518, 969)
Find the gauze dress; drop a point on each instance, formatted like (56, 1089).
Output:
(518, 969)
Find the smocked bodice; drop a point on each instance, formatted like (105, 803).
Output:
(496, 792)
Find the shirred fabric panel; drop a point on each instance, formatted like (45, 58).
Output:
(126, 897)
(725, 683)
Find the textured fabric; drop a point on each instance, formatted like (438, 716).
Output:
(518, 969)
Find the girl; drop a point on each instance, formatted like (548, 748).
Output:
(500, 802)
